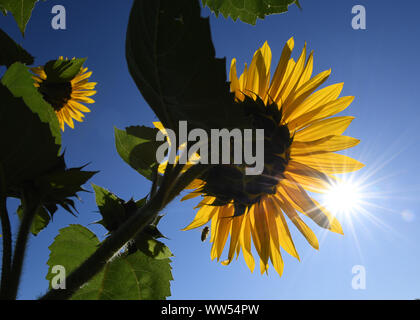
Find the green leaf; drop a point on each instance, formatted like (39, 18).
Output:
(28, 148)
(171, 58)
(115, 211)
(111, 208)
(30, 145)
(19, 81)
(248, 10)
(20, 9)
(63, 70)
(12, 52)
(126, 277)
(137, 146)
(41, 219)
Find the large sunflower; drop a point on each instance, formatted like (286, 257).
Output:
(301, 137)
(66, 97)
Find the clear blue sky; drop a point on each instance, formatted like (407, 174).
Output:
(379, 66)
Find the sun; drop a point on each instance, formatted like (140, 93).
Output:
(343, 197)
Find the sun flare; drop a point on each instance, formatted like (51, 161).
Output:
(343, 197)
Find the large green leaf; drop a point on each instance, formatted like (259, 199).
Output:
(126, 277)
(137, 146)
(171, 58)
(19, 81)
(28, 145)
(11, 52)
(20, 9)
(248, 10)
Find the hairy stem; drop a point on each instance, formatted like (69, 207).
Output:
(30, 207)
(135, 224)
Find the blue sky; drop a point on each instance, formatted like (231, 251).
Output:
(379, 66)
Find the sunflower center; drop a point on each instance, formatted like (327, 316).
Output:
(56, 94)
(230, 184)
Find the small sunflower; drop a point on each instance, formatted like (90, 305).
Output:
(66, 97)
(301, 137)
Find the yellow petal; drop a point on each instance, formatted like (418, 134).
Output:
(260, 232)
(234, 81)
(297, 221)
(323, 145)
(83, 93)
(323, 128)
(319, 98)
(311, 179)
(78, 106)
(257, 76)
(280, 72)
(243, 78)
(203, 216)
(81, 77)
(266, 53)
(83, 99)
(307, 73)
(84, 85)
(67, 118)
(330, 163)
(300, 200)
(300, 95)
(234, 236)
(335, 225)
(321, 112)
(245, 242)
(276, 259)
(221, 231)
(279, 231)
(263, 267)
(191, 195)
(294, 77)
(77, 115)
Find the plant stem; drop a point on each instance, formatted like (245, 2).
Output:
(7, 245)
(30, 207)
(100, 257)
(135, 224)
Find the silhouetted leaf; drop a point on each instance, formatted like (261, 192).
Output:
(172, 60)
(29, 133)
(111, 208)
(60, 184)
(19, 81)
(11, 52)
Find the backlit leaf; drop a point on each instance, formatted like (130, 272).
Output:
(248, 10)
(126, 277)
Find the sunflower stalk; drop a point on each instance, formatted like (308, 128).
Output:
(143, 217)
(7, 237)
(30, 205)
